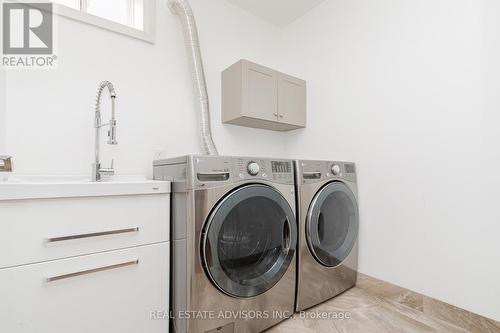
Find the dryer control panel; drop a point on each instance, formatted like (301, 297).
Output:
(314, 171)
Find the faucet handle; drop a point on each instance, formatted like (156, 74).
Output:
(108, 171)
(5, 163)
(112, 133)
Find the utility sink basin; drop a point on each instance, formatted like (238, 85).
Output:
(17, 187)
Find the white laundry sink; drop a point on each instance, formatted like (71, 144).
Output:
(20, 187)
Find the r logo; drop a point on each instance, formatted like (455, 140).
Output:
(27, 28)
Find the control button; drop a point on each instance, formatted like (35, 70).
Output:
(242, 176)
(336, 169)
(264, 175)
(253, 168)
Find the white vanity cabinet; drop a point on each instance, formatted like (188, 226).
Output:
(260, 97)
(96, 263)
(111, 292)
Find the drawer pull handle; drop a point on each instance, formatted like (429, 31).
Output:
(95, 234)
(312, 175)
(91, 271)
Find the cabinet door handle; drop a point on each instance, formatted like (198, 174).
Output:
(275, 114)
(91, 271)
(281, 116)
(90, 235)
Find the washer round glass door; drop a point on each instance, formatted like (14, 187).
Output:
(332, 224)
(249, 241)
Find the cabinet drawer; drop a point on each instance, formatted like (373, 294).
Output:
(41, 230)
(108, 292)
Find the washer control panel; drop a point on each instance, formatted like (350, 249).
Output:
(275, 170)
(206, 171)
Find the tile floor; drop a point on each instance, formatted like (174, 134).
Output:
(374, 306)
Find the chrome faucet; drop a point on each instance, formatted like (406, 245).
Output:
(5, 164)
(97, 171)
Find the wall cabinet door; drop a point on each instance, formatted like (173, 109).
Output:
(261, 86)
(112, 292)
(291, 100)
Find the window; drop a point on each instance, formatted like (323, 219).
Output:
(130, 17)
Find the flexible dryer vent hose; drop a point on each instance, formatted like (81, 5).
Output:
(185, 13)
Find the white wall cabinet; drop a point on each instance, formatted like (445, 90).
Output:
(260, 97)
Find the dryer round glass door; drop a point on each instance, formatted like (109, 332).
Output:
(249, 241)
(332, 224)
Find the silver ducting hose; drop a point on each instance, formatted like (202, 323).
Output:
(185, 13)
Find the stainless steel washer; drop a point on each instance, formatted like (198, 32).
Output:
(234, 242)
(328, 223)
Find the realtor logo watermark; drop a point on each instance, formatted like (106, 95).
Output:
(28, 35)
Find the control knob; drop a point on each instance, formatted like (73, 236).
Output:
(336, 169)
(253, 168)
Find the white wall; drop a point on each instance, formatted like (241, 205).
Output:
(396, 85)
(50, 112)
(2, 112)
(489, 214)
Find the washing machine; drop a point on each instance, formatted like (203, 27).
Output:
(234, 242)
(328, 223)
